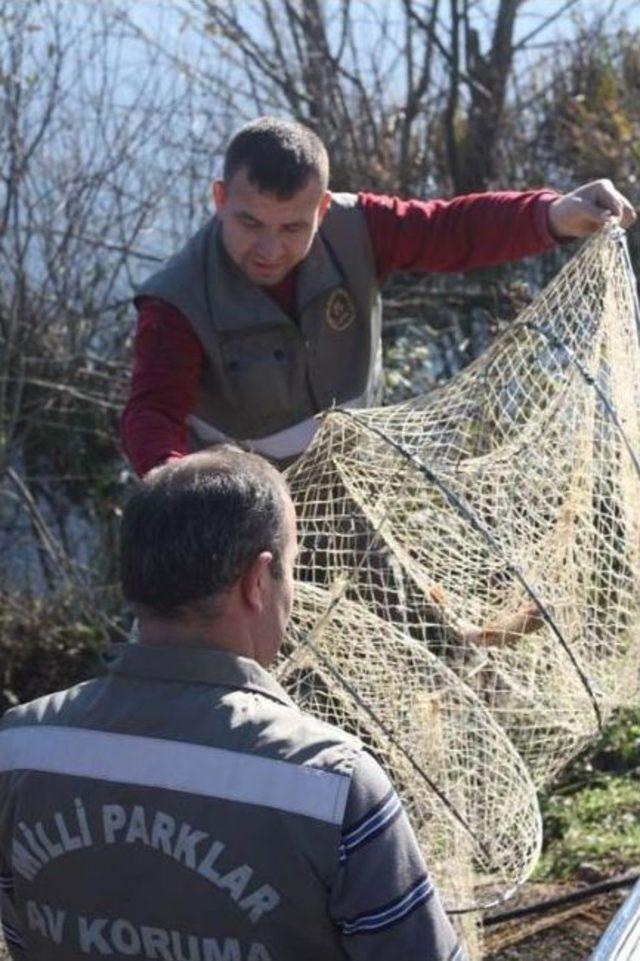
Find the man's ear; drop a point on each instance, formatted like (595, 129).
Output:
(219, 194)
(325, 203)
(254, 583)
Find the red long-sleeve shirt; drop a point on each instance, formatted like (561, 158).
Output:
(477, 230)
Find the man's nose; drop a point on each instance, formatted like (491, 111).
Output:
(269, 245)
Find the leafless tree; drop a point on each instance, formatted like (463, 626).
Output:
(89, 158)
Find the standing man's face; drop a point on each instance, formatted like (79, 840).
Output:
(265, 236)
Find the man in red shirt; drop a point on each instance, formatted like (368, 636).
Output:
(271, 313)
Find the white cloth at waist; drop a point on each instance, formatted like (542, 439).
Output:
(280, 446)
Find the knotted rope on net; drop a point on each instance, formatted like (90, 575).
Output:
(468, 587)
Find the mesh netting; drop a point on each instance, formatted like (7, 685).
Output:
(468, 594)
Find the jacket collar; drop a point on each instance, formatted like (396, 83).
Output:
(193, 666)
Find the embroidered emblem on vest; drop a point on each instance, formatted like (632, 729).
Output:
(341, 310)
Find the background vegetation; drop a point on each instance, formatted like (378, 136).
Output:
(592, 817)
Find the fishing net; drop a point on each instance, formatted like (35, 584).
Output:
(468, 596)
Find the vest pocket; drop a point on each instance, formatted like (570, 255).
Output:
(264, 378)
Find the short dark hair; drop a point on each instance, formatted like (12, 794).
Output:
(193, 527)
(280, 156)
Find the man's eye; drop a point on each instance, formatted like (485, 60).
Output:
(293, 228)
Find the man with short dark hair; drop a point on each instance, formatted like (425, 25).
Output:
(182, 807)
(272, 312)
(279, 156)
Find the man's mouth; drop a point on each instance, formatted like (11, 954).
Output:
(260, 265)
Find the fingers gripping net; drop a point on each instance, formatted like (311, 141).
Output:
(468, 594)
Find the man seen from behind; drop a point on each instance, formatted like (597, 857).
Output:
(182, 807)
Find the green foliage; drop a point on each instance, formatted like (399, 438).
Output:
(598, 828)
(618, 750)
(592, 818)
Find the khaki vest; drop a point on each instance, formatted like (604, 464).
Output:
(263, 372)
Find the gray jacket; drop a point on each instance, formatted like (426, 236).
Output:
(265, 376)
(182, 807)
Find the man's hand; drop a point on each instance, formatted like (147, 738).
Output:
(588, 208)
